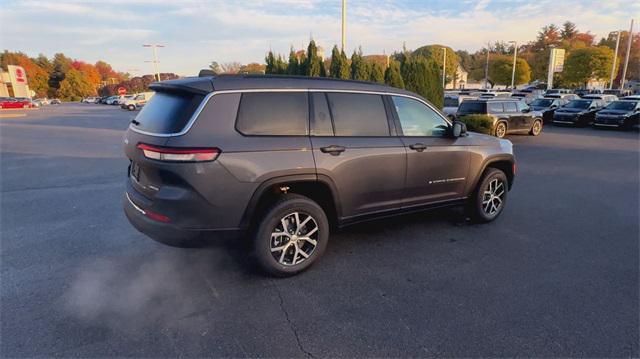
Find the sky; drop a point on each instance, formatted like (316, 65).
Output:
(196, 32)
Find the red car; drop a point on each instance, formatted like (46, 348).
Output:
(8, 102)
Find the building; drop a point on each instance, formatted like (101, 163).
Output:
(459, 81)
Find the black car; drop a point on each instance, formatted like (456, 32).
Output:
(621, 114)
(578, 112)
(546, 107)
(509, 115)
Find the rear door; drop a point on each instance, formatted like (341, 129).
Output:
(437, 164)
(354, 149)
(516, 118)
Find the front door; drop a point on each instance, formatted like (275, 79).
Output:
(437, 164)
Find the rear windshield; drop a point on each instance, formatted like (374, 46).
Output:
(450, 102)
(578, 104)
(541, 102)
(467, 107)
(167, 112)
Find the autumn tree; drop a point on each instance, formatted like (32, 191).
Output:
(501, 68)
(75, 86)
(435, 54)
(591, 63)
(37, 77)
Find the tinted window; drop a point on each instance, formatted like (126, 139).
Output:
(273, 113)
(358, 114)
(450, 102)
(542, 102)
(167, 113)
(495, 107)
(416, 119)
(321, 116)
(578, 104)
(510, 107)
(622, 105)
(468, 107)
(522, 106)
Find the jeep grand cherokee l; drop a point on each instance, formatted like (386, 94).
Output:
(623, 114)
(284, 159)
(509, 116)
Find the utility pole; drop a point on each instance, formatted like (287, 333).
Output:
(552, 58)
(155, 59)
(444, 68)
(615, 58)
(344, 23)
(513, 71)
(486, 68)
(626, 57)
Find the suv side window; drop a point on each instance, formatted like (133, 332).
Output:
(417, 119)
(510, 107)
(495, 107)
(273, 113)
(321, 122)
(356, 114)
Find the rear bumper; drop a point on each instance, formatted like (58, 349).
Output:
(171, 234)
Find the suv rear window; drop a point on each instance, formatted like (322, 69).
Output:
(358, 114)
(167, 112)
(274, 113)
(471, 107)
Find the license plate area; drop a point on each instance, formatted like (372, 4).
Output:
(134, 171)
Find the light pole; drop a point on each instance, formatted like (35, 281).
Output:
(344, 23)
(615, 58)
(486, 67)
(626, 57)
(155, 58)
(513, 71)
(444, 68)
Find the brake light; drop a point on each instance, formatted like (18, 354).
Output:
(179, 154)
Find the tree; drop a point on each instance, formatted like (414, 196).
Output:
(252, 68)
(435, 53)
(271, 63)
(37, 77)
(293, 67)
(501, 67)
(336, 63)
(392, 76)
(421, 76)
(591, 63)
(215, 67)
(106, 72)
(89, 71)
(360, 70)
(75, 86)
(314, 67)
(568, 31)
(377, 73)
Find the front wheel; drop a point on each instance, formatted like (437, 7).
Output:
(131, 107)
(292, 234)
(490, 196)
(501, 129)
(536, 129)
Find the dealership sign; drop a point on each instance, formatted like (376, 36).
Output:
(558, 59)
(18, 80)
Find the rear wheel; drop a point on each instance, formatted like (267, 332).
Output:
(131, 107)
(501, 129)
(292, 234)
(490, 196)
(536, 129)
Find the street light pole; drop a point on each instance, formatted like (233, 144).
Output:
(155, 59)
(486, 68)
(513, 71)
(626, 57)
(444, 68)
(344, 23)
(615, 58)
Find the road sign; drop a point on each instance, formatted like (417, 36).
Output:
(558, 60)
(122, 90)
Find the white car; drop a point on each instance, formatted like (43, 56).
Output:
(599, 96)
(90, 100)
(138, 101)
(122, 99)
(112, 100)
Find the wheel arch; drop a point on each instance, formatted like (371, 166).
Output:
(505, 163)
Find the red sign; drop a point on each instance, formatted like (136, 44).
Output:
(122, 90)
(20, 75)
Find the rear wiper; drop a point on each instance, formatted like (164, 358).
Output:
(135, 122)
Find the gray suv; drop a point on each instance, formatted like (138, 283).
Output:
(283, 160)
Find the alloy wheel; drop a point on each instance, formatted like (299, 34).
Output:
(493, 197)
(501, 130)
(537, 128)
(294, 238)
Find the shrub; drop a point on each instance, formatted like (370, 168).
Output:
(478, 123)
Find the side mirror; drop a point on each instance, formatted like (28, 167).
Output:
(459, 129)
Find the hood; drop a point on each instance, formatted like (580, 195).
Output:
(613, 112)
(571, 110)
(539, 108)
(480, 139)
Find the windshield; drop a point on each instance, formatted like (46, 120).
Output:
(578, 104)
(622, 105)
(450, 102)
(541, 102)
(167, 112)
(472, 107)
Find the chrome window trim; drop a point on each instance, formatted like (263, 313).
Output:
(205, 101)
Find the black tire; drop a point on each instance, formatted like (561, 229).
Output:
(131, 107)
(476, 206)
(536, 128)
(501, 129)
(274, 217)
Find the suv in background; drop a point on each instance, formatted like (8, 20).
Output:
(137, 101)
(623, 114)
(213, 155)
(451, 104)
(578, 112)
(546, 107)
(509, 115)
(604, 97)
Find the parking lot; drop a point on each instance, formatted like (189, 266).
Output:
(556, 275)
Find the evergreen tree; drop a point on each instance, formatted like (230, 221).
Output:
(392, 76)
(421, 76)
(360, 70)
(377, 73)
(314, 63)
(280, 66)
(336, 63)
(271, 63)
(303, 66)
(345, 69)
(293, 68)
(568, 31)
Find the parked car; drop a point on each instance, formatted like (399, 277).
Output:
(123, 99)
(509, 115)
(55, 101)
(618, 93)
(583, 92)
(213, 156)
(111, 100)
(606, 98)
(623, 114)
(10, 102)
(493, 94)
(451, 103)
(42, 101)
(578, 112)
(546, 107)
(632, 97)
(557, 91)
(565, 96)
(26, 101)
(90, 100)
(138, 101)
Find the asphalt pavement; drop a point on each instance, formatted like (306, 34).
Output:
(557, 275)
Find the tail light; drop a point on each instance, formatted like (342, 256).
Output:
(179, 154)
